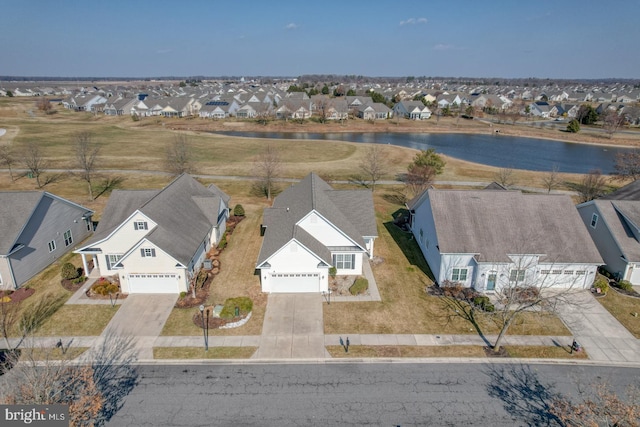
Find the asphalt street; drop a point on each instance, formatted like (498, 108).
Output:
(387, 394)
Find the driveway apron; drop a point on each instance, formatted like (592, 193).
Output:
(293, 328)
(601, 335)
(142, 317)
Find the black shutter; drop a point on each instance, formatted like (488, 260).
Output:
(353, 260)
(142, 253)
(145, 225)
(135, 225)
(153, 251)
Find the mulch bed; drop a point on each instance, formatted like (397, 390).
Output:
(18, 295)
(214, 322)
(70, 286)
(201, 295)
(631, 293)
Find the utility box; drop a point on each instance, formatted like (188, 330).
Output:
(207, 264)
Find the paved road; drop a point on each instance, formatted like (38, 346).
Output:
(354, 394)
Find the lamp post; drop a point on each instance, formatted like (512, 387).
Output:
(204, 331)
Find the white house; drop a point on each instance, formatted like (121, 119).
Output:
(487, 238)
(614, 224)
(414, 110)
(310, 228)
(156, 240)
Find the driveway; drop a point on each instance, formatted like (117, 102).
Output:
(142, 316)
(293, 328)
(602, 336)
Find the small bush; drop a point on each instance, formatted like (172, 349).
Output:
(484, 303)
(223, 242)
(359, 286)
(332, 272)
(183, 294)
(78, 280)
(104, 287)
(69, 271)
(245, 304)
(238, 210)
(602, 284)
(625, 285)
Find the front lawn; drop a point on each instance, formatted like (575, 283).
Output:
(377, 351)
(622, 308)
(78, 320)
(200, 353)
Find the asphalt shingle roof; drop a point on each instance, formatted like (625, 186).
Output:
(16, 208)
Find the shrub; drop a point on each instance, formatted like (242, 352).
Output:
(602, 284)
(80, 279)
(183, 294)
(69, 271)
(245, 304)
(104, 287)
(238, 210)
(223, 242)
(359, 286)
(333, 271)
(573, 126)
(625, 285)
(484, 303)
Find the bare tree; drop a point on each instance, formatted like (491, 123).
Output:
(324, 106)
(372, 165)
(591, 186)
(268, 167)
(551, 180)
(34, 161)
(628, 165)
(44, 105)
(418, 179)
(179, 157)
(611, 122)
(505, 177)
(87, 152)
(599, 406)
(7, 158)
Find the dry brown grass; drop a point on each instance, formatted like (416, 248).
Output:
(200, 353)
(51, 353)
(622, 308)
(78, 320)
(544, 352)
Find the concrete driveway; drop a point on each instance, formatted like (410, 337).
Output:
(602, 336)
(142, 316)
(293, 328)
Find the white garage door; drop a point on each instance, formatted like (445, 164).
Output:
(295, 282)
(153, 283)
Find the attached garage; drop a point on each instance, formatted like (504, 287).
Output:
(153, 283)
(295, 282)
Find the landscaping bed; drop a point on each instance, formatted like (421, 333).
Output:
(234, 311)
(16, 296)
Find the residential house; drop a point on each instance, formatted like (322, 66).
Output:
(375, 111)
(486, 238)
(414, 110)
(294, 109)
(613, 222)
(156, 240)
(311, 227)
(36, 229)
(542, 109)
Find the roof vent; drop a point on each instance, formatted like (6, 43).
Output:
(287, 209)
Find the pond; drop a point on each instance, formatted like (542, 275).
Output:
(494, 150)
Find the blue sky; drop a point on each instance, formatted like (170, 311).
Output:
(503, 38)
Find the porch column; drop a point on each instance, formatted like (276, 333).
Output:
(84, 265)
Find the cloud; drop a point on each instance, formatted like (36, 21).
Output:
(442, 46)
(413, 21)
(291, 26)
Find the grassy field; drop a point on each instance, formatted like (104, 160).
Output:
(622, 308)
(200, 353)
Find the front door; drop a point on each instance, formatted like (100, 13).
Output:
(491, 282)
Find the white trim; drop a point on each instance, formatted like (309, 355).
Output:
(287, 244)
(333, 226)
(115, 230)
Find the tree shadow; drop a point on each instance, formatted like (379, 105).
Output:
(523, 394)
(466, 311)
(408, 246)
(107, 185)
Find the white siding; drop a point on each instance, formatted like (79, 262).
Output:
(135, 263)
(324, 231)
(292, 258)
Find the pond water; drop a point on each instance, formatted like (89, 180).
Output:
(495, 150)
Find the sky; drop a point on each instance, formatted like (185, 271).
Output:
(590, 39)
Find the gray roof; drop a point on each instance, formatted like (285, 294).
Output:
(630, 191)
(351, 211)
(16, 208)
(496, 223)
(613, 213)
(184, 211)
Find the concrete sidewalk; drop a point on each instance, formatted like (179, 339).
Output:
(601, 335)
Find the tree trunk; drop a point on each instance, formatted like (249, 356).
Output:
(90, 190)
(503, 332)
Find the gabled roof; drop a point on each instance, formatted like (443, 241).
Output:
(184, 211)
(630, 191)
(494, 224)
(351, 211)
(16, 208)
(619, 217)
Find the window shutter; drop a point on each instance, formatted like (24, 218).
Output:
(145, 226)
(142, 253)
(353, 260)
(153, 251)
(135, 225)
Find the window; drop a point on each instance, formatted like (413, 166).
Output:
(68, 239)
(140, 225)
(112, 259)
(344, 261)
(545, 272)
(594, 220)
(556, 271)
(147, 252)
(459, 275)
(516, 275)
(580, 272)
(52, 246)
(568, 272)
